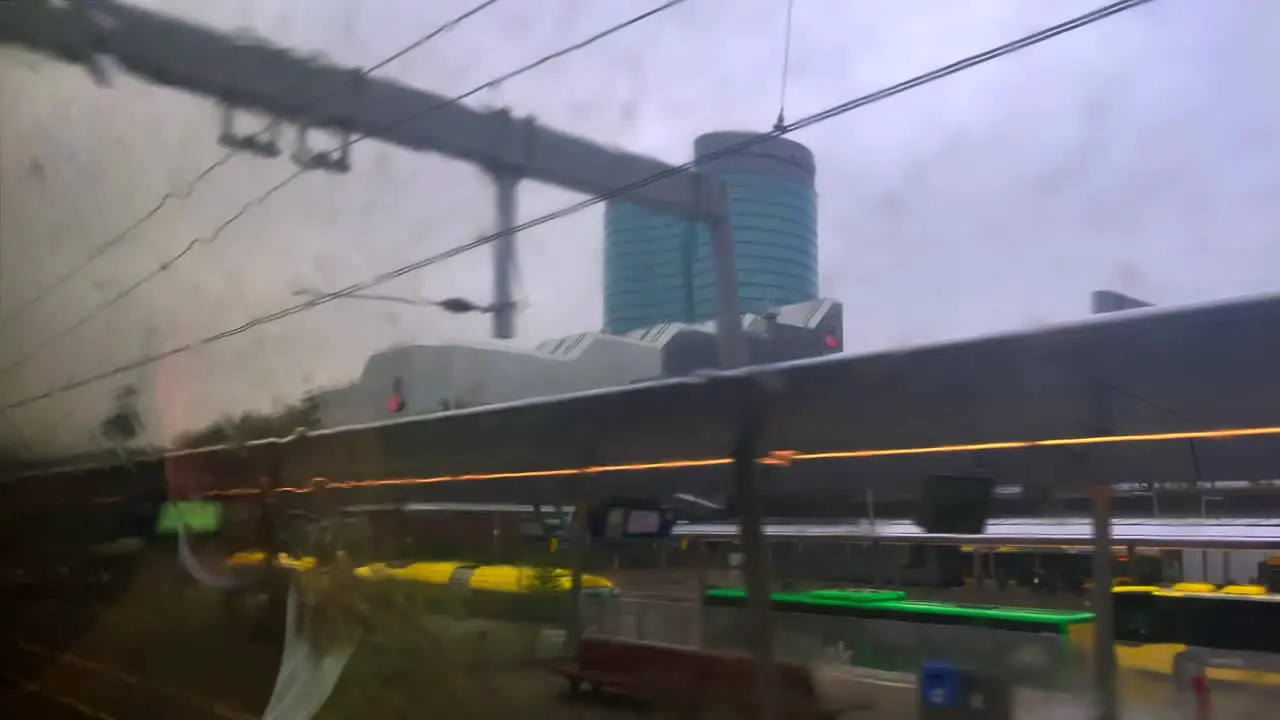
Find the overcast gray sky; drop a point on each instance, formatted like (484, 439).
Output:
(1138, 154)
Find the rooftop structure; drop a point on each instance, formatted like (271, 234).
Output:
(423, 379)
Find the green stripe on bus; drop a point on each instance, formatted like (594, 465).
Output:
(828, 602)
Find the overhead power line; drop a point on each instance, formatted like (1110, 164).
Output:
(185, 193)
(383, 278)
(244, 209)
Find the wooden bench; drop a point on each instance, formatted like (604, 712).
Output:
(696, 682)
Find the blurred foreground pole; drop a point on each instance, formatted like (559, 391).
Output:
(579, 538)
(732, 347)
(700, 568)
(1204, 708)
(269, 539)
(1104, 648)
(1104, 661)
(746, 483)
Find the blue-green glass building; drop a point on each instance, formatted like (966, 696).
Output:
(659, 268)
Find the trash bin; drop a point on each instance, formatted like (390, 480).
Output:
(948, 692)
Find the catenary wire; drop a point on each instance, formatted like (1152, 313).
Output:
(185, 193)
(786, 68)
(288, 179)
(383, 278)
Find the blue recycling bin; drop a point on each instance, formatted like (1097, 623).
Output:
(939, 685)
(948, 692)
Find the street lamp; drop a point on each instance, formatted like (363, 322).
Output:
(455, 305)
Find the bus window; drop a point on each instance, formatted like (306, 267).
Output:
(1143, 618)
(1269, 574)
(1146, 570)
(1266, 626)
(1222, 624)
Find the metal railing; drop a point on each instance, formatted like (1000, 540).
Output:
(1051, 672)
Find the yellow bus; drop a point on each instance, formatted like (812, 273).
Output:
(485, 578)
(1196, 629)
(1061, 570)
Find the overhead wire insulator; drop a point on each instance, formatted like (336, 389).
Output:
(459, 305)
(338, 159)
(87, 40)
(265, 142)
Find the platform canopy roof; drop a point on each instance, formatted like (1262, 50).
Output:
(1064, 532)
(1142, 372)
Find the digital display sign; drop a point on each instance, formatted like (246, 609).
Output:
(630, 519)
(644, 522)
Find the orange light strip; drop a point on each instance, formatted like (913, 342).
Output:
(787, 457)
(593, 470)
(1055, 442)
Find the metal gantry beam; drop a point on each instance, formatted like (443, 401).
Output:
(287, 86)
(249, 74)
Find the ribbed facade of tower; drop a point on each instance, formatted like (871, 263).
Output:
(648, 263)
(660, 268)
(773, 211)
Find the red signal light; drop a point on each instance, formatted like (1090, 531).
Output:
(395, 403)
(832, 342)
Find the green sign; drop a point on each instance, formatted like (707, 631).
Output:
(195, 517)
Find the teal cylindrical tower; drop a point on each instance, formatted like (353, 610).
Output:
(648, 263)
(659, 268)
(773, 210)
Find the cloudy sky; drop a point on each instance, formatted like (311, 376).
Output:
(1138, 154)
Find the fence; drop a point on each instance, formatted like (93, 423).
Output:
(1051, 670)
(657, 621)
(1024, 658)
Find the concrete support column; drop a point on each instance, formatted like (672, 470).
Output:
(504, 257)
(731, 342)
